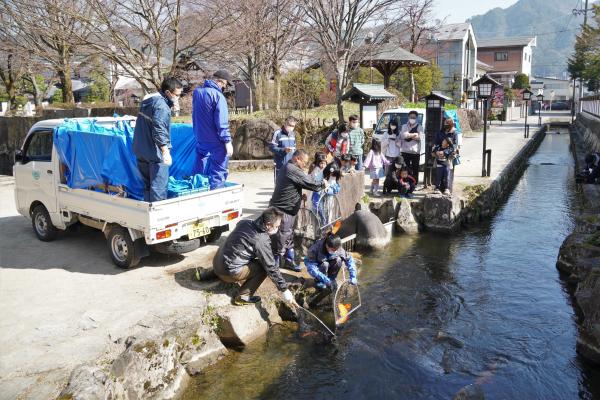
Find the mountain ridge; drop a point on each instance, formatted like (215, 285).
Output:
(555, 32)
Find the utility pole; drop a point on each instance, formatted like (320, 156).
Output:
(585, 10)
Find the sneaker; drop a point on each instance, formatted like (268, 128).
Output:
(376, 194)
(245, 299)
(447, 192)
(437, 191)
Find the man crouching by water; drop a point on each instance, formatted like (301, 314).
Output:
(247, 257)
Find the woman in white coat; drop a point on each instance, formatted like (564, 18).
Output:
(390, 142)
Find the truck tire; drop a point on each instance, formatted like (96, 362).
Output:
(121, 247)
(214, 235)
(42, 224)
(176, 246)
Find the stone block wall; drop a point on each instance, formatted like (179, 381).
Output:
(14, 129)
(588, 127)
(579, 256)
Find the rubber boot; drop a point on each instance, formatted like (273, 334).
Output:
(290, 261)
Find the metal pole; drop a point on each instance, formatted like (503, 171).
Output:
(483, 172)
(573, 102)
(580, 79)
(539, 113)
(526, 112)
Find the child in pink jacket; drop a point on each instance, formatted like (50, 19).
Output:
(375, 163)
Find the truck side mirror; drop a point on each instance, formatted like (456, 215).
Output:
(374, 126)
(18, 155)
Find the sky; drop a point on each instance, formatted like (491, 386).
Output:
(460, 10)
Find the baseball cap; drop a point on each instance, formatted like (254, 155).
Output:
(225, 75)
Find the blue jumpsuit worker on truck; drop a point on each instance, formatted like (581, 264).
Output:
(152, 139)
(210, 118)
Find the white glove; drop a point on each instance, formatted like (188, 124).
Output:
(229, 149)
(289, 298)
(167, 160)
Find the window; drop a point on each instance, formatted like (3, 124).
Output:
(501, 56)
(39, 146)
(401, 118)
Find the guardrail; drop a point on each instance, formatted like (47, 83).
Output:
(591, 105)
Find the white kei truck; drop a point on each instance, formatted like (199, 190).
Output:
(131, 227)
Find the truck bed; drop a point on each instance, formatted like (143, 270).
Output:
(214, 208)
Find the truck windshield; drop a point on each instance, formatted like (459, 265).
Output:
(402, 119)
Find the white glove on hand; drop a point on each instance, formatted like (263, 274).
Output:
(229, 149)
(289, 298)
(167, 160)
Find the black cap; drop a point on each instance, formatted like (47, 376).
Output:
(225, 75)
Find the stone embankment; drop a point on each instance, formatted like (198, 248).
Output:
(159, 363)
(579, 256)
(471, 204)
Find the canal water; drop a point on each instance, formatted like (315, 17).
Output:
(484, 307)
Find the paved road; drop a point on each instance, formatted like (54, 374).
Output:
(64, 303)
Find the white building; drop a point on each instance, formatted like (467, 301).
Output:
(553, 89)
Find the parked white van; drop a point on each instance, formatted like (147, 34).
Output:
(401, 116)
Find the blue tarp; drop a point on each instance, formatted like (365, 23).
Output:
(96, 155)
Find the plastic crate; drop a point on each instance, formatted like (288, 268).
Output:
(186, 192)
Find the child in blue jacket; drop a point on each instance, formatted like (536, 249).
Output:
(325, 259)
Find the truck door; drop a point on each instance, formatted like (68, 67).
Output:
(35, 178)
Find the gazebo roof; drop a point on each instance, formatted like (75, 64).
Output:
(367, 93)
(437, 95)
(390, 52)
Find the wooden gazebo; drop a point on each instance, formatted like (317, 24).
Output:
(387, 58)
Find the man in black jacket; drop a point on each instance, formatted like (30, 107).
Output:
(287, 197)
(247, 257)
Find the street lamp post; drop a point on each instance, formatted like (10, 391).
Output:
(485, 90)
(540, 98)
(526, 97)
(434, 113)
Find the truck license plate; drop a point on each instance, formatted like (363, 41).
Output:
(197, 230)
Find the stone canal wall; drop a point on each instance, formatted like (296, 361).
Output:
(439, 213)
(579, 256)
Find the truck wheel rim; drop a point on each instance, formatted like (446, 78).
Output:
(41, 224)
(119, 248)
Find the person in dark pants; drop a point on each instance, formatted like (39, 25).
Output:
(152, 139)
(357, 141)
(247, 257)
(449, 131)
(283, 144)
(443, 155)
(287, 197)
(591, 172)
(410, 145)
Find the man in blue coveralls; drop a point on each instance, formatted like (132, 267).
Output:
(152, 139)
(210, 118)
